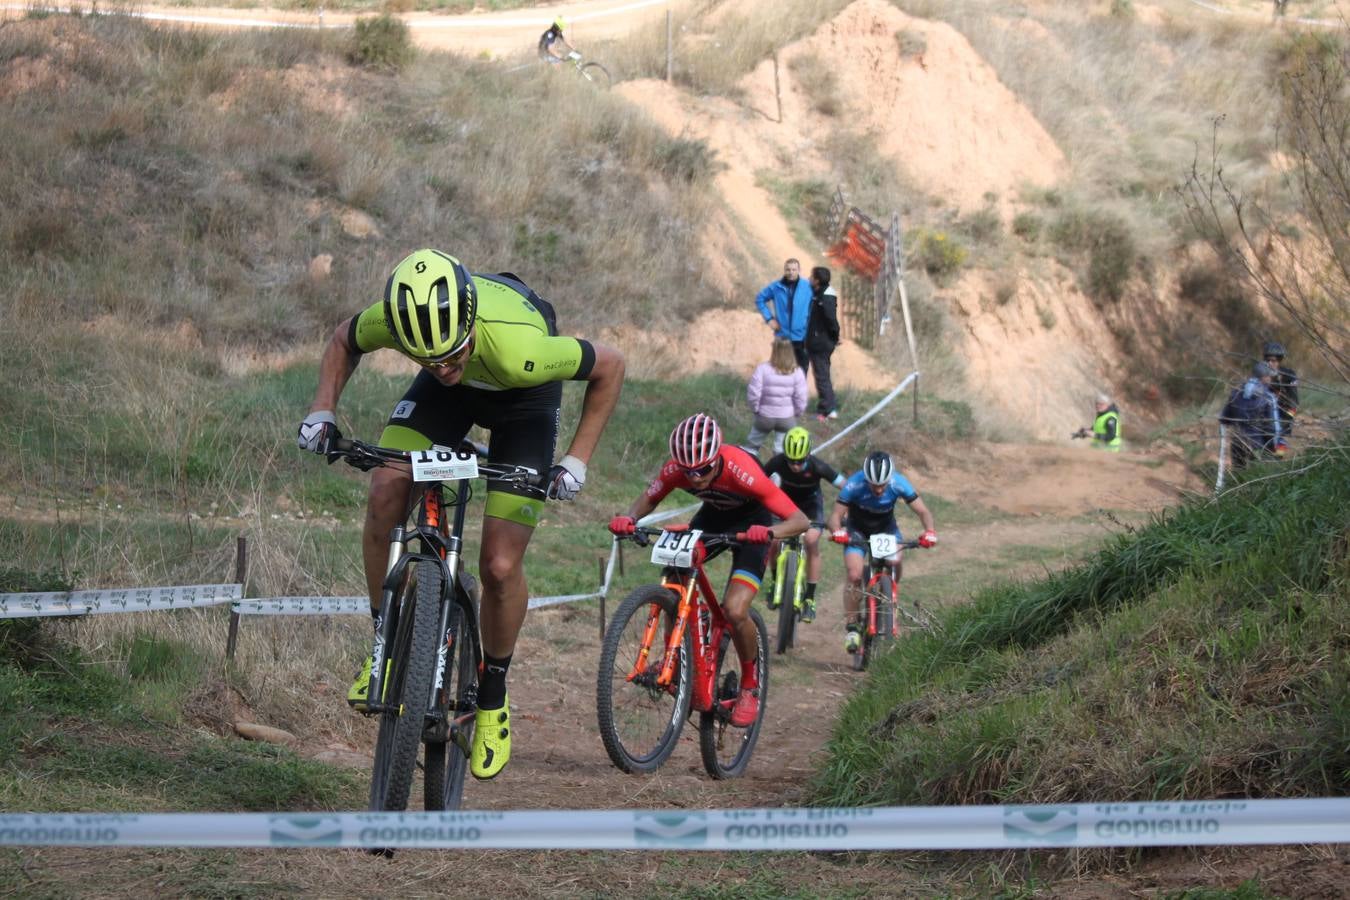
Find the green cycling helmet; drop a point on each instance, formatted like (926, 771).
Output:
(430, 302)
(797, 444)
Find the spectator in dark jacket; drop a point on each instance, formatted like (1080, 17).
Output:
(785, 305)
(822, 336)
(1284, 385)
(1253, 414)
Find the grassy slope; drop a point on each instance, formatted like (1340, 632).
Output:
(1201, 656)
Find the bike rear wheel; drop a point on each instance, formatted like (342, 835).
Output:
(787, 607)
(414, 657)
(726, 749)
(596, 74)
(640, 722)
(447, 761)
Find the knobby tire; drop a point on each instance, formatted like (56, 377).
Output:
(596, 74)
(446, 763)
(726, 749)
(640, 724)
(401, 732)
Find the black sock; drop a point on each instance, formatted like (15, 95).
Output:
(492, 686)
(810, 591)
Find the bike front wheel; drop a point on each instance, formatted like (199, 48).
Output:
(725, 748)
(596, 74)
(447, 759)
(787, 607)
(640, 720)
(414, 657)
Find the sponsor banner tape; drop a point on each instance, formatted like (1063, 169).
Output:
(303, 606)
(80, 603)
(1190, 823)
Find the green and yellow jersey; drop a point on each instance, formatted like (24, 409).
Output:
(514, 344)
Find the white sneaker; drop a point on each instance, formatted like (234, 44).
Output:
(834, 414)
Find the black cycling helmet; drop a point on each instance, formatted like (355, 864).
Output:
(878, 468)
(1273, 348)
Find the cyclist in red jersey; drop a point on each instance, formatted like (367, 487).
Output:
(737, 497)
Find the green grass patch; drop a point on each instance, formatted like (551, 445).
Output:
(1201, 655)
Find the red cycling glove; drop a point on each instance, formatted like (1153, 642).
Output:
(622, 525)
(928, 539)
(758, 534)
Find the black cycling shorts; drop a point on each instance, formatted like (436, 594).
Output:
(748, 558)
(523, 422)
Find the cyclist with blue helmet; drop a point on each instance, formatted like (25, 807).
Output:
(868, 499)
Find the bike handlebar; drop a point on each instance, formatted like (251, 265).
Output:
(857, 539)
(643, 532)
(364, 456)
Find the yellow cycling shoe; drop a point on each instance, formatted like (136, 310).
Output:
(360, 689)
(491, 741)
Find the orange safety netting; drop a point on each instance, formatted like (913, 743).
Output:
(862, 246)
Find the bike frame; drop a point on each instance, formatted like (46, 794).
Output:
(780, 570)
(877, 567)
(696, 595)
(443, 545)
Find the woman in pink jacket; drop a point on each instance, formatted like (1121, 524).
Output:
(777, 396)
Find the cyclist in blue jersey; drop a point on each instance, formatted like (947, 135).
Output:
(868, 499)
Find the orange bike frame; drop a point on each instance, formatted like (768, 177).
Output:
(693, 590)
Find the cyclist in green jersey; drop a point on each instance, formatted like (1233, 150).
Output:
(490, 356)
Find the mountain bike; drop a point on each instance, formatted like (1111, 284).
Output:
(593, 72)
(665, 652)
(879, 605)
(427, 652)
(789, 579)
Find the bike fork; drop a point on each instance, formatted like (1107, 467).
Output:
(398, 545)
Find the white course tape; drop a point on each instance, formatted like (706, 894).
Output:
(876, 408)
(1200, 823)
(303, 606)
(79, 603)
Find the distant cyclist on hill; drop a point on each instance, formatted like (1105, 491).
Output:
(868, 498)
(553, 47)
(799, 473)
(490, 356)
(737, 497)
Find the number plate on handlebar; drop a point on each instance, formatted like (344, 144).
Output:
(443, 464)
(883, 545)
(676, 548)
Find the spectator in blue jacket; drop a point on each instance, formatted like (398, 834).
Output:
(1253, 413)
(786, 307)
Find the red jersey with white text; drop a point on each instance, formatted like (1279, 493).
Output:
(740, 483)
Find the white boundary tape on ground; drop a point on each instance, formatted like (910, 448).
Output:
(1200, 823)
(876, 408)
(81, 603)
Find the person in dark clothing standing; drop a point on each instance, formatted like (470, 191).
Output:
(822, 336)
(1284, 385)
(785, 305)
(1253, 413)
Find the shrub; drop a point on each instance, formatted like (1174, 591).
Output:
(982, 225)
(1108, 243)
(687, 159)
(380, 42)
(912, 43)
(937, 253)
(1027, 226)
